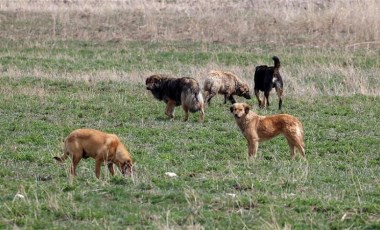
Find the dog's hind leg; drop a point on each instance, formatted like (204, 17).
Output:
(302, 151)
(294, 142)
(257, 94)
(279, 92)
(208, 96)
(301, 147)
(292, 150)
(186, 109)
(266, 98)
(75, 160)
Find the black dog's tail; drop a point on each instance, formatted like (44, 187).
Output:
(277, 63)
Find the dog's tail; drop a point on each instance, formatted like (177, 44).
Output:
(277, 63)
(63, 157)
(301, 136)
(194, 100)
(192, 97)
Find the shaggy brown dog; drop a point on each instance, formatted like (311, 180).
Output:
(257, 128)
(266, 78)
(103, 147)
(225, 83)
(177, 91)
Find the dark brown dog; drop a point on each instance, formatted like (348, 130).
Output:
(266, 78)
(177, 91)
(226, 83)
(103, 147)
(260, 128)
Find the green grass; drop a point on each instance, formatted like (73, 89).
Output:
(336, 188)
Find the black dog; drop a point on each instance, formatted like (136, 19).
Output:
(266, 78)
(177, 91)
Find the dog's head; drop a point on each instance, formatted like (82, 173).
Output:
(243, 90)
(153, 82)
(124, 160)
(239, 109)
(126, 167)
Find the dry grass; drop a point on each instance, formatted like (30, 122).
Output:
(351, 25)
(287, 22)
(299, 80)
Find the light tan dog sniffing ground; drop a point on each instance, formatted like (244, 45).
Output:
(103, 147)
(257, 128)
(226, 83)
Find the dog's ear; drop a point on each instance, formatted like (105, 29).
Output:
(246, 108)
(231, 108)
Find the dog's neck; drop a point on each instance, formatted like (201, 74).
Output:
(244, 121)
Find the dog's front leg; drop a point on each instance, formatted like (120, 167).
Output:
(110, 168)
(253, 145)
(202, 114)
(231, 99)
(169, 111)
(98, 164)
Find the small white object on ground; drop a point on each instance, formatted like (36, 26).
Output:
(170, 174)
(18, 196)
(231, 194)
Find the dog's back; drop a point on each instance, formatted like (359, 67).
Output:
(226, 83)
(220, 82)
(88, 141)
(267, 77)
(263, 78)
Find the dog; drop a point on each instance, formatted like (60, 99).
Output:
(103, 147)
(226, 83)
(177, 91)
(266, 78)
(257, 128)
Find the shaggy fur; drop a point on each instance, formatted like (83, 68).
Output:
(103, 147)
(266, 78)
(257, 128)
(177, 91)
(226, 83)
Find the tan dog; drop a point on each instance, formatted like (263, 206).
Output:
(226, 83)
(103, 147)
(257, 128)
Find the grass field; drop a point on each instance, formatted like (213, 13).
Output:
(60, 71)
(47, 90)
